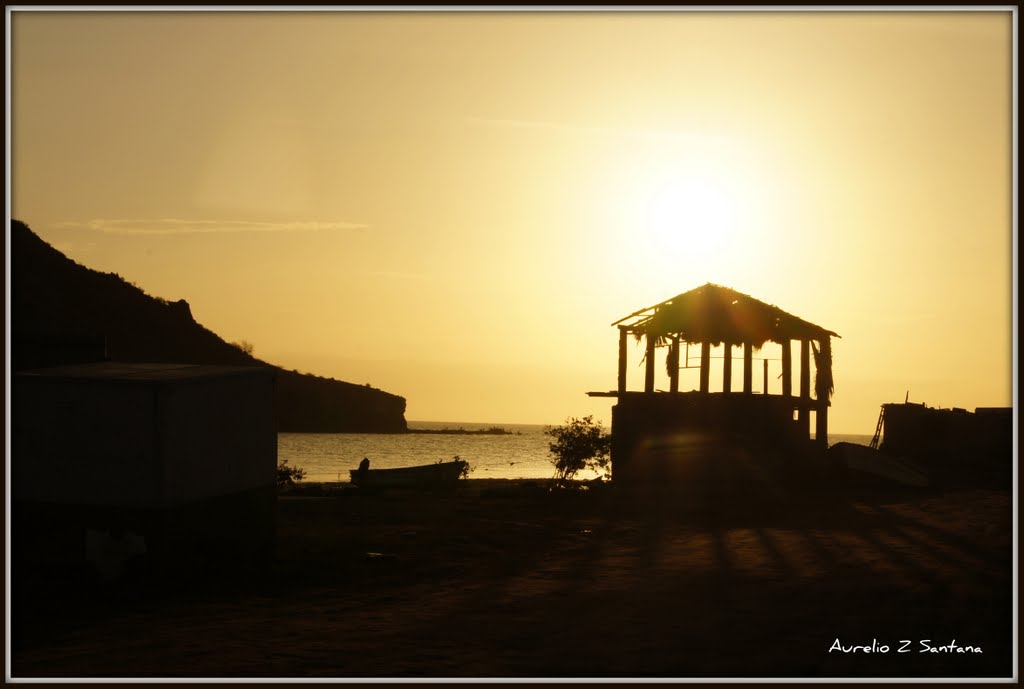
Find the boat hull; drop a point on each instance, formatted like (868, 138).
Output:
(424, 475)
(869, 461)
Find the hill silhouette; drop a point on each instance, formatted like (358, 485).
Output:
(63, 312)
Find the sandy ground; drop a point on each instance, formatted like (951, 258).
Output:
(509, 579)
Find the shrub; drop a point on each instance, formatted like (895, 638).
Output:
(287, 476)
(580, 444)
(465, 469)
(245, 346)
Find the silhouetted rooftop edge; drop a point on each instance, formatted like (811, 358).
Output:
(716, 314)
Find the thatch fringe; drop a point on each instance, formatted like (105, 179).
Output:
(824, 386)
(672, 360)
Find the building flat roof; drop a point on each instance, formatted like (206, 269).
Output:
(139, 372)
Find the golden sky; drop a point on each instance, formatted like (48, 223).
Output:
(454, 207)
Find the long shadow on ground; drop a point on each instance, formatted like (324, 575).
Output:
(523, 582)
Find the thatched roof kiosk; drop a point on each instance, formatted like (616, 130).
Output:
(715, 316)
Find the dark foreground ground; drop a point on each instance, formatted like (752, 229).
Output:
(509, 579)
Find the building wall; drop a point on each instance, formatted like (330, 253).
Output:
(177, 476)
(218, 436)
(218, 440)
(664, 423)
(83, 443)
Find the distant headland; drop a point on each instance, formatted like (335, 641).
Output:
(493, 430)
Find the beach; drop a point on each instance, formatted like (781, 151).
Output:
(509, 578)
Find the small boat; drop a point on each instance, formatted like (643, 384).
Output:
(870, 461)
(422, 475)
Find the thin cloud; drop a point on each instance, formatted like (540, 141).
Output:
(175, 226)
(394, 275)
(621, 132)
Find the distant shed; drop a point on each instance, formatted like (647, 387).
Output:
(172, 462)
(955, 446)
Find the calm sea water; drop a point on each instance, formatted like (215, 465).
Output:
(524, 454)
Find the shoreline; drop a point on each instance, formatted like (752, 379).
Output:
(466, 486)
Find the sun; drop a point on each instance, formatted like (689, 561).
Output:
(688, 210)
